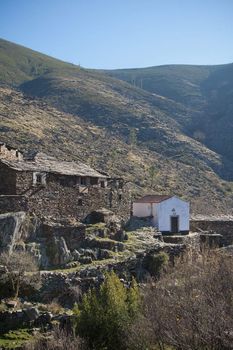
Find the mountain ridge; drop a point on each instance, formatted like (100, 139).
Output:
(116, 110)
(200, 89)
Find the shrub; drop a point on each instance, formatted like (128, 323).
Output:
(189, 307)
(19, 270)
(105, 315)
(57, 340)
(156, 263)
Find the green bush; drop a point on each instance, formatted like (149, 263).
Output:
(105, 315)
(156, 263)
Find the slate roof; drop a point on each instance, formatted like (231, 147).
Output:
(44, 163)
(153, 198)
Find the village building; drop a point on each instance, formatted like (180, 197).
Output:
(169, 214)
(47, 186)
(8, 152)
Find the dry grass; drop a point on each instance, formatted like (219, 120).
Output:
(34, 125)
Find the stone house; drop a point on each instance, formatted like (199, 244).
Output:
(8, 152)
(47, 186)
(169, 214)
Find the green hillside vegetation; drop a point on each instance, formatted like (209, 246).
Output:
(19, 64)
(76, 113)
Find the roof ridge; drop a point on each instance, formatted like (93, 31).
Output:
(153, 198)
(53, 166)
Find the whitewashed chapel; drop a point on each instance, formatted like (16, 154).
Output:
(169, 214)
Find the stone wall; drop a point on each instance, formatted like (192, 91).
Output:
(59, 198)
(59, 201)
(24, 182)
(7, 180)
(10, 320)
(215, 226)
(197, 241)
(55, 283)
(11, 203)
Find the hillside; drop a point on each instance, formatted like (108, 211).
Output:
(207, 91)
(19, 64)
(83, 114)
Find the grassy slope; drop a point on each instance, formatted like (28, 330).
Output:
(119, 107)
(177, 82)
(19, 64)
(104, 110)
(207, 91)
(29, 123)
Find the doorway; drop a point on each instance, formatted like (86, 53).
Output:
(174, 224)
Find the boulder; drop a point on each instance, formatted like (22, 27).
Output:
(104, 243)
(76, 255)
(97, 216)
(119, 236)
(11, 303)
(85, 260)
(105, 254)
(31, 314)
(65, 254)
(11, 229)
(43, 320)
(91, 253)
(57, 252)
(120, 247)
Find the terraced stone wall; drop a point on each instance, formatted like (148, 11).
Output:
(215, 226)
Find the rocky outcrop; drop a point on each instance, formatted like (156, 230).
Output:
(31, 316)
(58, 243)
(12, 230)
(18, 319)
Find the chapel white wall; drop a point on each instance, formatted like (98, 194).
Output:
(164, 212)
(142, 210)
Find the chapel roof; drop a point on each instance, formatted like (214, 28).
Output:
(153, 198)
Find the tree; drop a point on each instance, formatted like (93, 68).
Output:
(133, 137)
(157, 263)
(133, 300)
(112, 159)
(105, 315)
(19, 268)
(152, 174)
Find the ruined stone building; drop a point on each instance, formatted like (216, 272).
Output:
(47, 186)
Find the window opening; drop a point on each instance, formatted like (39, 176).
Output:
(93, 181)
(38, 178)
(83, 181)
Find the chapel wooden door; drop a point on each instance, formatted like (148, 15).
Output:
(174, 224)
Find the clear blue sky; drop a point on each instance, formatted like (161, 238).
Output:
(122, 33)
